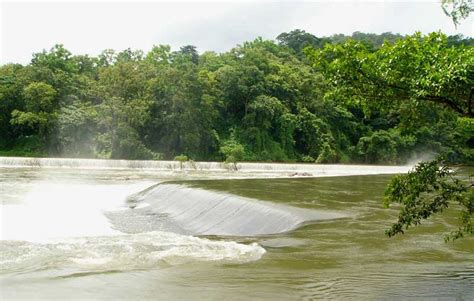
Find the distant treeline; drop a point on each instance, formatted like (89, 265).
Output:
(260, 101)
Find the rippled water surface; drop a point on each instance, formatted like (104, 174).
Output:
(57, 242)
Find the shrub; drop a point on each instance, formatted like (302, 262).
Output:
(307, 159)
(232, 151)
(182, 159)
(327, 155)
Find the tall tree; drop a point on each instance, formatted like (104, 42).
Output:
(39, 113)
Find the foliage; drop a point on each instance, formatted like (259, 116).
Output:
(327, 155)
(260, 101)
(299, 39)
(38, 109)
(77, 125)
(307, 159)
(383, 146)
(370, 40)
(181, 159)
(415, 69)
(429, 189)
(232, 151)
(457, 9)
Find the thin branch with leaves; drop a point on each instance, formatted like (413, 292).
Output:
(430, 188)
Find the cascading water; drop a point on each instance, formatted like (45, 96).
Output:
(57, 221)
(183, 209)
(277, 169)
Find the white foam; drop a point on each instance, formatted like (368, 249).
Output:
(267, 169)
(50, 210)
(122, 252)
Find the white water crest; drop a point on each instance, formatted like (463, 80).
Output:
(269, 169)
(188, 210)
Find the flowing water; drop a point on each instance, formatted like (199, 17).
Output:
(141, 232)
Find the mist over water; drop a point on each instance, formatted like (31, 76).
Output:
(59, 219)
(63, 209)
(69, 232)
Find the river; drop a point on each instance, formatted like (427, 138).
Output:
(72, 230)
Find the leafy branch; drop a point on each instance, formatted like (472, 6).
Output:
(457, 10)
(428, 189)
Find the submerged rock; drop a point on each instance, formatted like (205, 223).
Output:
(301, 174)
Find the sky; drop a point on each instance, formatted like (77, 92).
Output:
(86, 27)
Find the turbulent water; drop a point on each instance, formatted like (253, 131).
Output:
(219, 169)
(113, 233)
(59, 219)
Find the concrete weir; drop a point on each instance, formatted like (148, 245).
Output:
(219, 169)
(182, 209)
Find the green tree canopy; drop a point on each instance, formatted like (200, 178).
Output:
(265, 96)
(415, 69)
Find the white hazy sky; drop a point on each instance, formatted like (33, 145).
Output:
(87, 27)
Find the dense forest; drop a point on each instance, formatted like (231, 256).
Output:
(365, 98)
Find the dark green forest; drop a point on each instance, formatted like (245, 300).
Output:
(364, 98)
